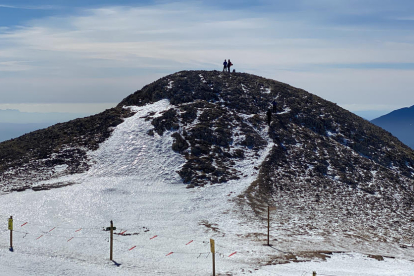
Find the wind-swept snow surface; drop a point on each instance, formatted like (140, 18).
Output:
(162, 227)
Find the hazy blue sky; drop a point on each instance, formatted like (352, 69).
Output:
(71, 56)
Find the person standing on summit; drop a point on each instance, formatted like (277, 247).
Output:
(229, 64)
(224, 66)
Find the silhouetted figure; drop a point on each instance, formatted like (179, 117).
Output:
(274, 104)
(229, 64)
(269, 116)
(224, 66)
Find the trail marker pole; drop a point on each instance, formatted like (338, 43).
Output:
(268, 225)
(314, 273)
(111, 238)
(11, 233)
(111, 246)
(268, 222)
(213, 252)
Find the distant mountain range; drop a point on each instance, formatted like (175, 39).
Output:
(18, 117)
(9, 131)
(14, 123)
(400, 123)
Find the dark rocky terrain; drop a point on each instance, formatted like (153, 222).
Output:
(326, 165)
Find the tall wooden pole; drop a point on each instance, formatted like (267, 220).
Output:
(111, 241)
(11, 232)
(268, 225)
(213, 252)
(214, 264)
(11, 240)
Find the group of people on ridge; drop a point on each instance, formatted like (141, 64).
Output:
(227, 65)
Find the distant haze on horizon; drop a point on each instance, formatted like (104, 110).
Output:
(61, 56)
(15, 123)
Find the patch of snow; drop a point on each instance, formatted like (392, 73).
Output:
(330, 133)
(170, 84)
(202, 78)
(341, 264)
(245, 90)
(132, 183)
(60, 168)
(267, 90)
(286, 110)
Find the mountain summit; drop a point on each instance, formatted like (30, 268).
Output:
(326, 169)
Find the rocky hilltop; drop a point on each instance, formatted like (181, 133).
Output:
(327, 169)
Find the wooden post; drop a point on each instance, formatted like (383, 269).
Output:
(11, 232)
(213, 252)
(269, 208)
(11, 240)
(111, 240)
(214, 264)
(314, 273)
(268, 225)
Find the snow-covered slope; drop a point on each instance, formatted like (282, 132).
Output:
(133, 181)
